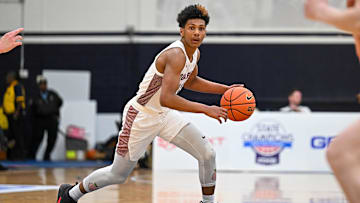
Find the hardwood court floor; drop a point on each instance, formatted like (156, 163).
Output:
(174, 187)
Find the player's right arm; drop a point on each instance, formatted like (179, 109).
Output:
(357, 45)
(173, 61)
(355, 3)
(347, 20)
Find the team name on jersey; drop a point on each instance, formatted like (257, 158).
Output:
(185, 76)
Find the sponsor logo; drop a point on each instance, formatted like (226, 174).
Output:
(320, 142)
(249, 97)
(217, 141)
(268, 138)
(165, 144)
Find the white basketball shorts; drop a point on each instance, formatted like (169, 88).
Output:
(140, 128)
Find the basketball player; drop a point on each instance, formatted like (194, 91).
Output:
(154, 112)
(10, 40)
(344, 152)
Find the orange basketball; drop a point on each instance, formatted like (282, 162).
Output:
(240, 103)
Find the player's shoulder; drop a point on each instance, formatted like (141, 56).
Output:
(175, 52)
(173, 55)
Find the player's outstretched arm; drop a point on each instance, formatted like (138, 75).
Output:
(347, 20)
(10, 40)
(355, 3)
(175, 61)
(357, 45)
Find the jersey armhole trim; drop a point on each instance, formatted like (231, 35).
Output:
(157, 72)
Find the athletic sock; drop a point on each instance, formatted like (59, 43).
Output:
(75, 193)
(208, 198)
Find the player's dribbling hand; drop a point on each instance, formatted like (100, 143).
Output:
(217, 113)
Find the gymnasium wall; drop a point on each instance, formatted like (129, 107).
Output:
(154, 15)
(249, 42)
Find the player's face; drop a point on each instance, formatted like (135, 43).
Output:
(194, 32)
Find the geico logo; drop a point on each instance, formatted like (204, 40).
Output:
(321, 142)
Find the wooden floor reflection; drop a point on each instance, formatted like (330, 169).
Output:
(18, 186)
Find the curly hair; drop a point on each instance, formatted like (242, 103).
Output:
(192, 12)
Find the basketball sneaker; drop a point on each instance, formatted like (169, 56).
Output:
(63, 194)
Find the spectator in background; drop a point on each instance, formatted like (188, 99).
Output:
(295, 98)
(358, 97)
(8, 42)
(45, 108)
(14, 108)
(4, 125)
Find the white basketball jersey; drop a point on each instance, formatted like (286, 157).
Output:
(148, 95)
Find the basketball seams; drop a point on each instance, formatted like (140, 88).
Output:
(237, 104)
(226, 99)
(240, 95)
(232, 89)
(240, 112)
(232, 114)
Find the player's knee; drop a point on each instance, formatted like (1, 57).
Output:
(332, 153)
(116, 179)
(209, 155)
(335, 155)
(120, 178)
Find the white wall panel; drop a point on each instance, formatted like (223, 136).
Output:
(10, 15)
(157, 15)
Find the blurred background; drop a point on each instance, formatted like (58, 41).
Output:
(82, 60)
(94, 53)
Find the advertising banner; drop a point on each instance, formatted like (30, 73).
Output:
(267, 141)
